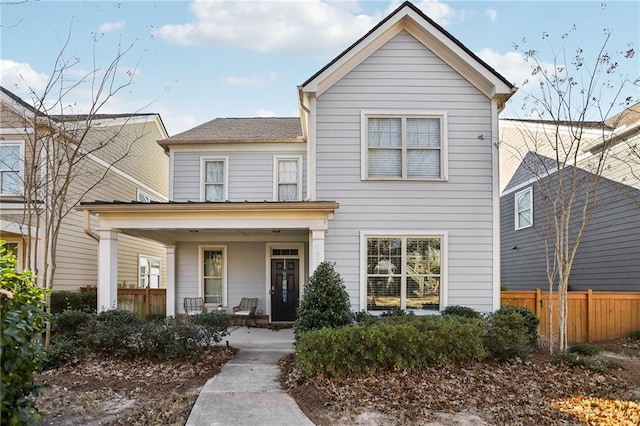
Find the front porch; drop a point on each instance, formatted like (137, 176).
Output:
(218, 251)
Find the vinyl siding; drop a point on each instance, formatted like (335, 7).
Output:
(403, 75)
(250, 174)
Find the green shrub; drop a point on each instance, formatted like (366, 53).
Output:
(22, 318)
(585, 349)
(389, 343)
(461, 311)
(63, 300)
(114, 332)
(530, 321)
(65, 350)
(325, 302)
(595, 364)
(397, 312)
(636, 335)
(71, 322)
(507, 336)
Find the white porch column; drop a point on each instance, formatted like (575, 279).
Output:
(107, 270)
(316, 248)
(171, 280)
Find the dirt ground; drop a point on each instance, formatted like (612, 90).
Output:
(101, 391)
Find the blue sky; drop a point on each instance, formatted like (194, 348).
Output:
(195, 61)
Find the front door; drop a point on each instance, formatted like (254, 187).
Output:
(285, 274)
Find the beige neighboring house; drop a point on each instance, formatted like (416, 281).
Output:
(142, 176)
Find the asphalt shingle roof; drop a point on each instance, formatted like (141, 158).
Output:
(261, 129)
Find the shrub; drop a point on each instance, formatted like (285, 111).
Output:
(325, 302)
(71, 322)
(530, 320)
(636, 335)
(597, 365)
(73, 300)
(22, 318)
(389, 343)
(461, 311)
(585, 349)
(114, 332)
(507, 336)
(65, 350)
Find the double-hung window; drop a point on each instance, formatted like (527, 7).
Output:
(213, 267)
(524, 208)
(11, 168)
(287, 179)
(404, 146)
(404, 272)
(214, 179)
(148, 271)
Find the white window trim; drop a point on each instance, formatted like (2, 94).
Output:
(201, 250)
(203, 160)
(364, 146)
(276, 159)
(148, 198)
(20, 143)
(301, 257)
(444, 263)
(150, 257)
(516, 221)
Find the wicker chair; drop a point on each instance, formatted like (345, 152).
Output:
(194, 305)
(245, 311)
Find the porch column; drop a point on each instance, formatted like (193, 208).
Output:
(316, 248)
(107, 270)
(171, 280)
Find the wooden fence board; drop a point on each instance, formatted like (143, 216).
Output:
(593, 316)
(143, 301)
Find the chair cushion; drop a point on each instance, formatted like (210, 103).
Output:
(242, 313)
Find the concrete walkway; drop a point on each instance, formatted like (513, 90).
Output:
(247, 390)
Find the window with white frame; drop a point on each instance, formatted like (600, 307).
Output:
(404, 272)
(11, 168)
(214, 177)
(213, 274)
(524, 208)
(143, 197)
(148, 271)
(287, 179)
(404, 146)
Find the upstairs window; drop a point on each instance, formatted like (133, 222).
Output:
(287, 185)
(214, 171)
(10, 168)
(148, 271)
(404, 147)
(524, 209)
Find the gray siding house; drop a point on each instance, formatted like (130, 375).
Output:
(608, 258)
(389, 172)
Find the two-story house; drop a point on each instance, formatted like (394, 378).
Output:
(608, 256)
(131, 166)
(389, 172)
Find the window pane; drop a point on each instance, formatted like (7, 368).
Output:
(423, 132)
(213, 290)
(212, 263)
(214, 172)
(422, 163)
(383, 293)
(423, 292)
(214, 192)
(524, 202)
(10, 157)
(9, 183)
(385, 132)
(385, 163)
(287, 171)
(287, 192)
(524, 219)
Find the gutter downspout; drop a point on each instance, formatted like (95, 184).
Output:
(304, 117)
(86, 225)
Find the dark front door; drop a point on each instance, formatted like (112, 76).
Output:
(284, 289)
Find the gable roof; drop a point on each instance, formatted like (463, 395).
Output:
(225, 130)
(408, 17)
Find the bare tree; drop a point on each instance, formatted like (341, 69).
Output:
(564, 146)
(59, 166)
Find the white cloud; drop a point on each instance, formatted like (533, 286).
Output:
(252, 81)
(109, 27)
(492, 14)
(265, 113)
(312, 28)
(20, 78)
(511, 65)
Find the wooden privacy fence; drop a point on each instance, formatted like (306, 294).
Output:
(144, 302)
(593, 316)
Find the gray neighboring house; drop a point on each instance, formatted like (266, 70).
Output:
(608, 258)
(389, 172)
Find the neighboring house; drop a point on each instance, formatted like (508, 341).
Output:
(608, 258)
(389, 172)
(141, 176)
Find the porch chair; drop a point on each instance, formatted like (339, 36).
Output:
(194, 305)
(245, 311)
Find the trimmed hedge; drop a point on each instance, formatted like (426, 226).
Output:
(64, 300)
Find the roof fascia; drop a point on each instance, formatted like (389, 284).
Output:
(431, 37)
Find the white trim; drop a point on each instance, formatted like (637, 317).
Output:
(495, 208)
(16, 228)
(313, 155)
(516, 222)
(273, 147)
(17, 131)
(172, 161)
(276, 160)
(225, 272)
(301, 281)
(444, 261)
(404, 114)
(122, 121)
(20, 143)
(203, 160)
(147, 198)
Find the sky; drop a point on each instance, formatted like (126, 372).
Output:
(195, 61)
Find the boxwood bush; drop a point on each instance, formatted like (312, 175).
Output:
(63, 300)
